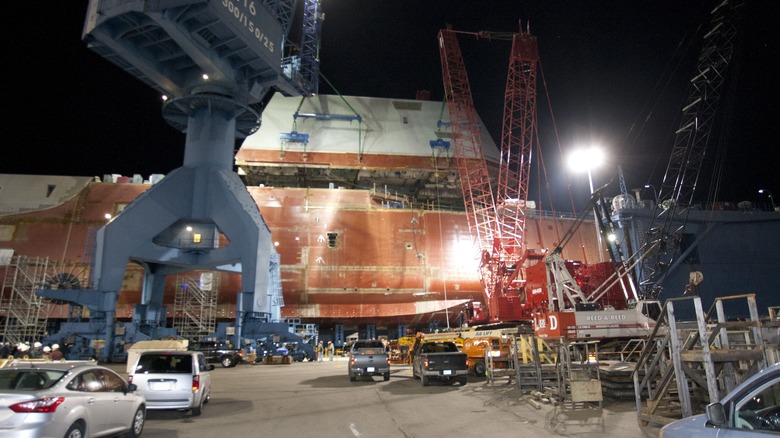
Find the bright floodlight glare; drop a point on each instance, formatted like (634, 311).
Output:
(586, 158)
(769, 195)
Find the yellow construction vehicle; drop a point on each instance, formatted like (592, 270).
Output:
(475, 349)
(399, 349)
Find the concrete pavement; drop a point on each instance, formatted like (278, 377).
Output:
(317, 399)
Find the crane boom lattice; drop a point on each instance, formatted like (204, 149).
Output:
(498, 227)
(685, 163)
(518, 135)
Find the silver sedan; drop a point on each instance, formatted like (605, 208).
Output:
(67, 399)
(751, 410)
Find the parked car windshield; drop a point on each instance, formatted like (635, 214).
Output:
(164, 363)
(432, 347)
(29, 380)
(760, 409)
(370, 344)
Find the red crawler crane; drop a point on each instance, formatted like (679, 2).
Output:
(496, 219)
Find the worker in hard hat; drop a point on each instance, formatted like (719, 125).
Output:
(46, 352)
(56, 354)
(22, 350)
(37, 350)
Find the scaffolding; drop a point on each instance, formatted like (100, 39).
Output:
(686, 365)
(23, 314)
(195, 305)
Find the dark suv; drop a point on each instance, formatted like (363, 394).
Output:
(216, 352)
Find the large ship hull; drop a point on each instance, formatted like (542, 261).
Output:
(351, 257)
(347, 256)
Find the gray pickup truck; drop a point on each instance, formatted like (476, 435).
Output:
(440, 361)
(368, 358)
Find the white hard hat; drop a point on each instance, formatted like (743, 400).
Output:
(46, 349)
(37, 345)
(55, 347)
(23, 347)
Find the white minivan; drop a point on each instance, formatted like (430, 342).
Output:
(173, 379)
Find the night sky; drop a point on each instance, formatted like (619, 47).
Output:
(615, 73)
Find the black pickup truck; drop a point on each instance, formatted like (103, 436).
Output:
(440, 361)
(217, 352)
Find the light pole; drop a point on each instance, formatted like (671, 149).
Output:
(655, 194)
(586, 159)
(771, 198)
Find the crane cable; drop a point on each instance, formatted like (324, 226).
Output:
(360, 119)
(544, 168)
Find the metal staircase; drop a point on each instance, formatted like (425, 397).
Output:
(579, 377)
(195, 305)
(533, 362)
(496, 369)
(686, 365)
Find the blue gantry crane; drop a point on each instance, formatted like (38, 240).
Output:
(214, 61)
